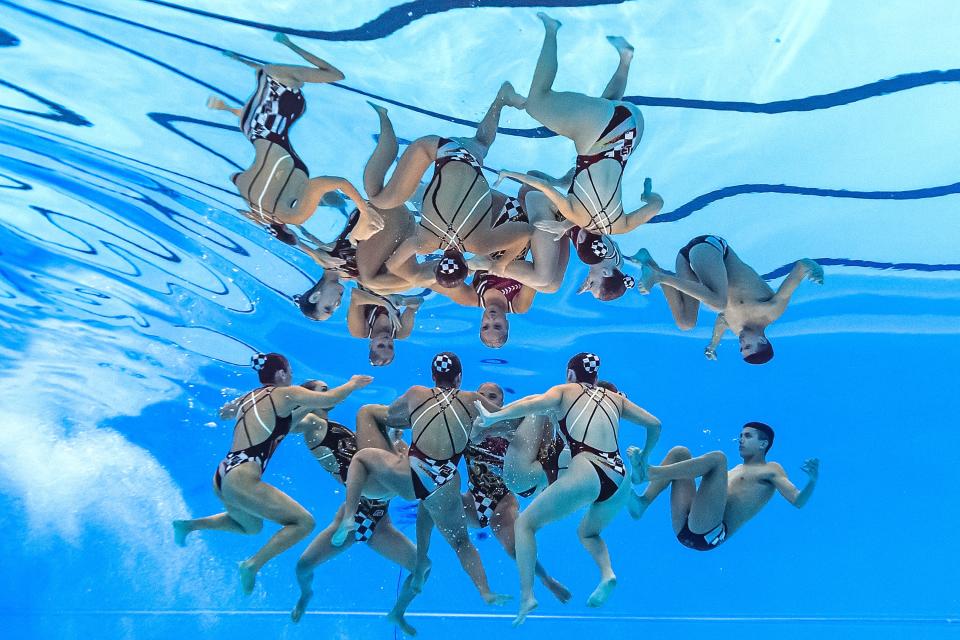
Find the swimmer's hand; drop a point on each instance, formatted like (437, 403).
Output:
(812, 468)
(710, 352)
(485, 418)
(813, 270)
(555, 228)
(359, 382)
(326, 260)
(479, 263)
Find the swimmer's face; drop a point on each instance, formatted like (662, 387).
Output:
(326, 300)
(492, 392)
(381, 351)
(594, 281)
(750, 443)
(751, 341)
(494, 328)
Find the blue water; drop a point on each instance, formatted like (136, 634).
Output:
(132, 296)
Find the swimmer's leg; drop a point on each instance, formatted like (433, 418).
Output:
(487, 128)
(375, 472)
(684, 308)
(577, 488)
(521, 466)
(383, 155)
(597, 518)
(414, 162)
(414, 582)
(321, 71)
(502, 525)
(572, 115)
(710, 501)
(618, 83)
(318, 552)
(681, 492)
(234, 520)
(269, 503)
(372, 427)
(445, 507)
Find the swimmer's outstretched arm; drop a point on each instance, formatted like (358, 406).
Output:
(535, 405)
(510, 237)
(637, 415)
(719, 328)
(297, 396)
(787, 489)
(805, 268)
(463, 294)
(401, 265)
(408, 318)
(556, 198)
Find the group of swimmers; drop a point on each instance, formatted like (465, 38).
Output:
(560, 448)
(518, 246)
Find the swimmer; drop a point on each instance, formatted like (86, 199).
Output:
(277, 186)
(264, 417)
(488, 502)
(709, 271)
(440, 418)
(380, 319)
(706, 516)
(333, 445)
(604, 130)
(460, 213)
(595, 478)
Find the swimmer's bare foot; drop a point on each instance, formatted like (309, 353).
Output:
(376, 107)
(638, 466)
(248, 576)
(180, 530)
(559, 591)
(495, 599)
(510, 96)
(624, 48)
(397, 618)
(301, 605)
(281, 38)
(637, 505)
(648, 278)
(602, 592)
(551, 24)
(526, 607)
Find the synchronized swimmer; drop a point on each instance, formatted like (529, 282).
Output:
(490, 250)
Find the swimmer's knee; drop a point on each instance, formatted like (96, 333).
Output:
(685, 324)
(305, 566)
(680, 453)
(717, 458)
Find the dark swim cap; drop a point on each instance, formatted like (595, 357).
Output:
(585, 367)
(451, 269)
(267, 365)
(592, 250)
(445, 368)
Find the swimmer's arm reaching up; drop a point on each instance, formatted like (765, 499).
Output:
(654, 203)
(535, 405)
(229, 410)
(293, 397)
(805, 268)
(719, 328)
(637, 415)
(787, 489)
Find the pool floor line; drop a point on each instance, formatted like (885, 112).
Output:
(441, 614)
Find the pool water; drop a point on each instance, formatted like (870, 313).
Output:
(132, 296)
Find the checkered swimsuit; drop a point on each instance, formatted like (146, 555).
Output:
(272, 110)
(616, 142)
(368, 516)
(485, 475)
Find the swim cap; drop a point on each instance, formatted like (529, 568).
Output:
(592, 250)
(585, 367)
(268, 364)
(446, 367)
(451, 269)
